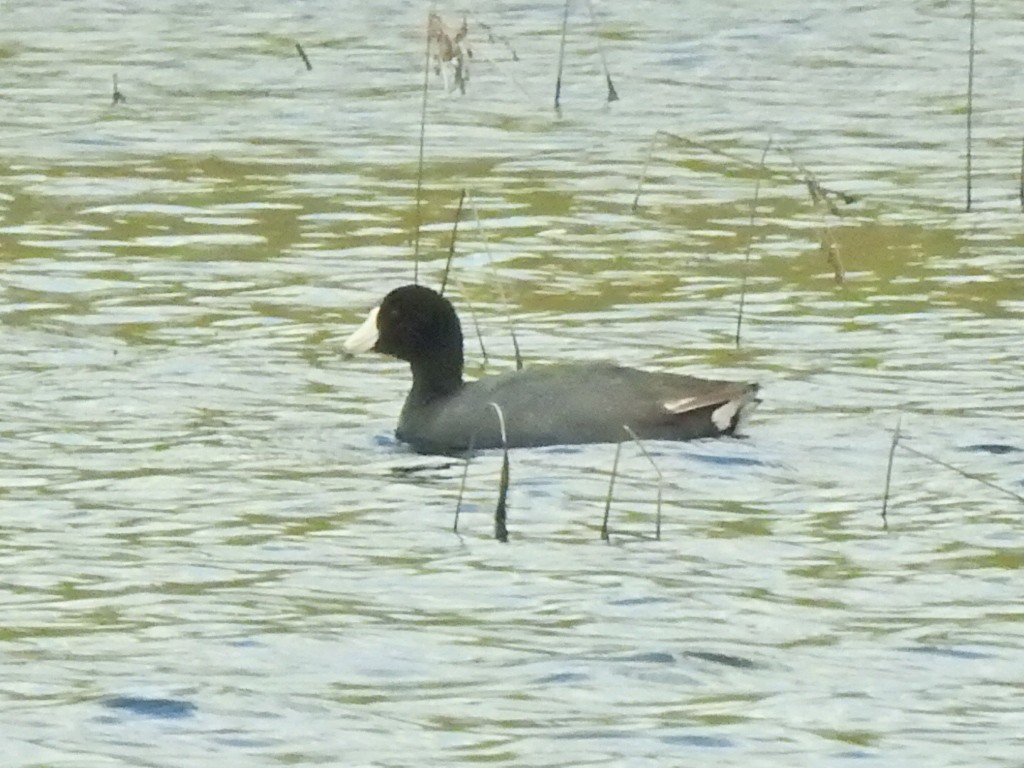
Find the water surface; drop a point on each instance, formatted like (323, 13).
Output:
(213, 548)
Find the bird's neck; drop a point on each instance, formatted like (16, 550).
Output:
(441, 378)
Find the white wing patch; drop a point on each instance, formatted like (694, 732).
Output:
(678, 406)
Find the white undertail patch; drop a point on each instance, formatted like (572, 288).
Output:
(734, 413)
(723, 415)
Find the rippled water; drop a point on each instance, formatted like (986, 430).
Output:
(213, 549)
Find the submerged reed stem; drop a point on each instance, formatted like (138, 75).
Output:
(462, 485)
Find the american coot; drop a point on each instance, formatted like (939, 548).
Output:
(542, 405)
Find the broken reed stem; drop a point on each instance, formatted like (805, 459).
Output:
(817, 192)
(451, 244)
(504, 72)
(828, 193)
(305, 58)
(888, 473)
(493, 37)
(819, 195)
(831, 250)
(750, 240)
(561, 58)
(462, 485)
(970, 103)
(661, 479)
(501, 510)
(419, 164)
(611, 488)
(832, 256)
(515, 347)
(612, 94)
(118, 97)
(962, 473)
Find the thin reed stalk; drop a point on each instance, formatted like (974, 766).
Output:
(501, 510)
(561, 58)
(612, 93)
(476, 324)
(462, 485)
(643, 170)
(963, 473)
(305, 58)
(611, 489)
(661, 479)
(888, 473)
(750, 240)
(800, 175)
(500, 283)
(1022, 174)
(419, 164)
(970, 103)
(451, 244)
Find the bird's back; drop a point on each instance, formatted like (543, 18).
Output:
(575, 403)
